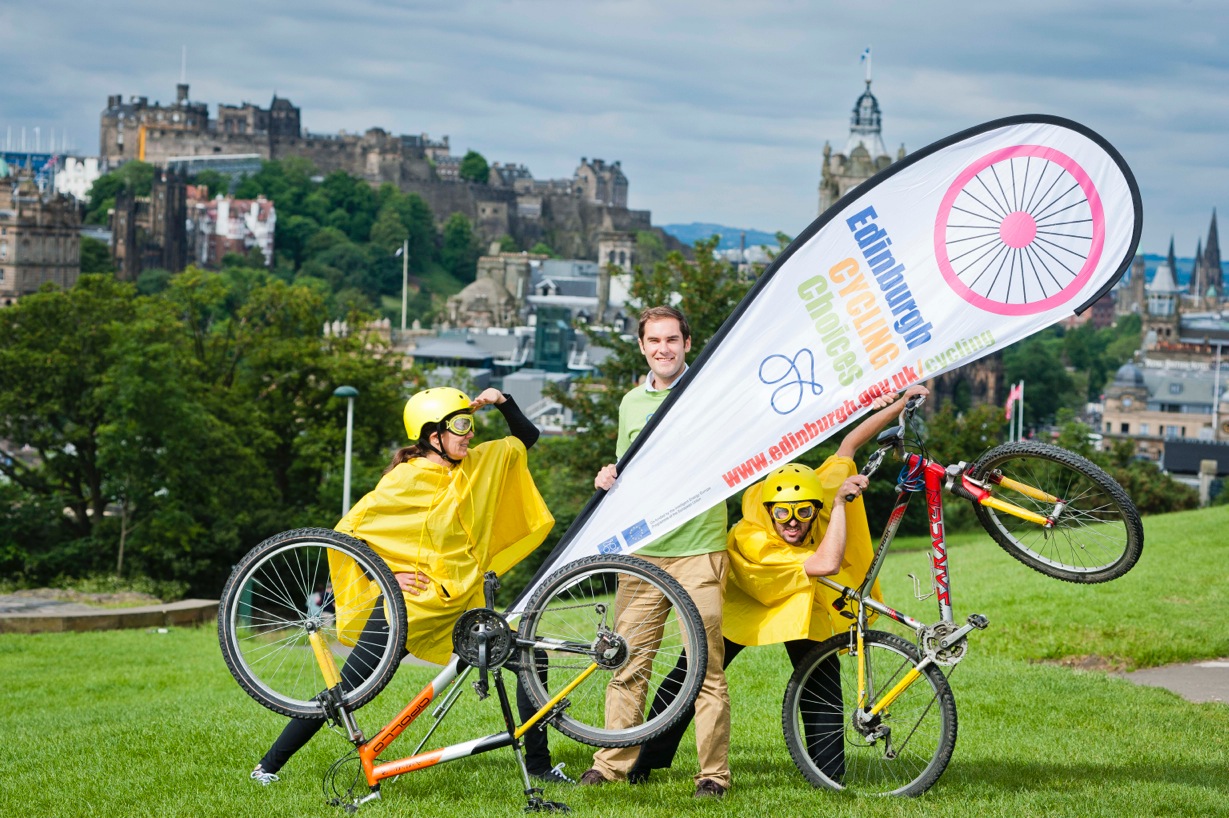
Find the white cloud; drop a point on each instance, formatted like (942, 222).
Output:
(717, 109)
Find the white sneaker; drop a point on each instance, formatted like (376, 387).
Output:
(263, 777)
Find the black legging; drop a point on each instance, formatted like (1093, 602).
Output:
(824, 729)
(370, 645)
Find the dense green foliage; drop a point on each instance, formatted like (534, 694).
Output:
(95, 256)
(166, 434)
(1062, 369)
(134, 178)
(336, 235)
(474, 168)
(1035, 738)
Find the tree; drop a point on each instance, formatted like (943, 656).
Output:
(543, 249)
(1038, 361)
(459, 253)
(474, 168)
(218, 184)
(649, 249)
(95, 256)
(706, 290)
(166, 434)
(135, 178)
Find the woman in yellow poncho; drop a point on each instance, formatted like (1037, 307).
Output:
(442, 515)
(797, 525)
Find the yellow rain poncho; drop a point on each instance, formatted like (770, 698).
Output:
(452, 525)
(770, 598)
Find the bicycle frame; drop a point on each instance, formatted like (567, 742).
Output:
(369, 749)
(935, 480)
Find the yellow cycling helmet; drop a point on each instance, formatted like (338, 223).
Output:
(791, 483)
(432, 406)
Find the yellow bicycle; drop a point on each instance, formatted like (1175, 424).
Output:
(873, 713)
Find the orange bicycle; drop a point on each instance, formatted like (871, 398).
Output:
(307, 608)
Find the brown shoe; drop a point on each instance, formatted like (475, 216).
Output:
(707, 788)
(593, 777)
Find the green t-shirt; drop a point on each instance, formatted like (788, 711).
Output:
(702, 534)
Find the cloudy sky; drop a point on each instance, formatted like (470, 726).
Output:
(718, 110)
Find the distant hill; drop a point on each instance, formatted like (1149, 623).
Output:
(730, 236)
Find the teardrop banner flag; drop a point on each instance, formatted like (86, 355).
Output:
(950, 254)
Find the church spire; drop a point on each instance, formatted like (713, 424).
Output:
(1211, 259)
(1197, 286)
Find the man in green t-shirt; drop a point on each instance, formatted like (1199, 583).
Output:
(694, 554)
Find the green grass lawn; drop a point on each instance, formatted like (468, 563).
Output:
(136, 723)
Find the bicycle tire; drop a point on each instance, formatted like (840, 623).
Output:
(578, 606)
(281, 591)
(922, 721)
(1098, 536)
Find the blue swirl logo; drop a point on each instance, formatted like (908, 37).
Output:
(794, 375)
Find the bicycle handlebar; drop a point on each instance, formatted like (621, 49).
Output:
(897, 441)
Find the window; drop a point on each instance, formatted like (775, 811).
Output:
(1143, 428)
(1125, 429)
(1126, 402)
(1175, 389)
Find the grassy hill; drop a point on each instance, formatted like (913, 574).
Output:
(138, 723)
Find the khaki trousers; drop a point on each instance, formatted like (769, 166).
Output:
(703, 578)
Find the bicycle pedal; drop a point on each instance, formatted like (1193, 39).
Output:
(978, 621)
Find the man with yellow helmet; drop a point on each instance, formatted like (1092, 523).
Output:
(798, 523)
(441, 516)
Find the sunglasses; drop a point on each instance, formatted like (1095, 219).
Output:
(802, 510)
(460, 424)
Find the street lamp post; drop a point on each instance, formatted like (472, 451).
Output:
(405, 281)
(349, 393)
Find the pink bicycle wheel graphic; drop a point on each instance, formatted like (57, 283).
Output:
(1020, 230)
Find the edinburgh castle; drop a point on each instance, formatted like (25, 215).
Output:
(579, 217)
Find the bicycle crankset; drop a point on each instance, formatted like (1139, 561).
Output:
(932, 643)
(482, 622)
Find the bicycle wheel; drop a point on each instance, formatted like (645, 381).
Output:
(901, 751)
(1097, 535)
(634, 622)
(311, 580)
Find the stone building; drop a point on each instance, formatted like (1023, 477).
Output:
(600, 183)
(1157, 400)
(864, 154)
(567, 213)
(39, 239)
(1207, 284)
(224, 224)
(151, 231)
(157, 133)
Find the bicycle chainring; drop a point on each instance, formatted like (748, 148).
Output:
(933, 635)
(477, 621)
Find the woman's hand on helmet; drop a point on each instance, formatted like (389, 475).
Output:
(413, 582)
(486, 398)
